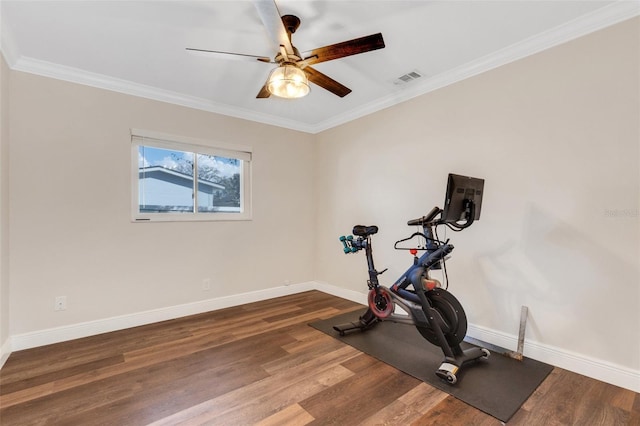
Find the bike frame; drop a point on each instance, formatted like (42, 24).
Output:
(409, 301)
(420, 311)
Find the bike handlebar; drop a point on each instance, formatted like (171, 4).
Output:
(426, 219)
(439, 254)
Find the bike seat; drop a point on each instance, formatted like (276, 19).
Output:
(364, 231)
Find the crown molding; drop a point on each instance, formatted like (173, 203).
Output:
(586, 24)
(607, 16)
(7, 45)
(101, 81)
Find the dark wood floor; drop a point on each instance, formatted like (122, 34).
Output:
(261, 364)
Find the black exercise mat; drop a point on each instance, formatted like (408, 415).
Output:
(498, 385)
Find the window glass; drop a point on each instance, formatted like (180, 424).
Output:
(165, 180)
(166, 187)
(219, 180)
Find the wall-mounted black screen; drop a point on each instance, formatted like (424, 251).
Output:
(463, 200)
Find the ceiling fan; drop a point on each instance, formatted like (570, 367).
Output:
(291, 78)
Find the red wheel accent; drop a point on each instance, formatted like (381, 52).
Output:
(381, 303)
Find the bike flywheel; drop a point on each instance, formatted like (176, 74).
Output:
(452, 314)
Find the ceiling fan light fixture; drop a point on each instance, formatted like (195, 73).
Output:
(288, 81)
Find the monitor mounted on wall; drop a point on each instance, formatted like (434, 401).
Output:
(463, 201)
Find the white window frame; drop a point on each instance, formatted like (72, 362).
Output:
(198, 146)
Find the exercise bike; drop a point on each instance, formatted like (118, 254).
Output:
(435, 312)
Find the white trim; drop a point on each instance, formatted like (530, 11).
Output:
(202, 146)
(5, 351)
(595, 368)
(578, 363)
(601, 18)
(7, 45)
(90, 328)
(354, 296)
(101, 81)
(586, 24)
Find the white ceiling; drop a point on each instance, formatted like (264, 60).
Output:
(138, 47)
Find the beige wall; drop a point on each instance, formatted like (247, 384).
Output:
(4, 209)
(556, 137)
(70, 209)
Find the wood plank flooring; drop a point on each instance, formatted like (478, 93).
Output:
(261, 364)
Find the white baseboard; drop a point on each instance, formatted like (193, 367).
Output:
(595, 368)
(91, 328)
(354, 296)
(5, 351)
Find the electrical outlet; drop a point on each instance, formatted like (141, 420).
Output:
(60, 303)
(206, 284)
(286, 282)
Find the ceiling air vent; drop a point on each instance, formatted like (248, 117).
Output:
(407, 78)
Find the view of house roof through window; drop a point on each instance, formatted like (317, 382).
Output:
(176, 182)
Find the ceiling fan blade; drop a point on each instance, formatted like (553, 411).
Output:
(270, 16)
(346, 48)
(229, 55)
(263, 93)
(326, 82)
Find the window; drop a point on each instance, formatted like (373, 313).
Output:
(176, 178)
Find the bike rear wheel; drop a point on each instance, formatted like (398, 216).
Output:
(453, 315)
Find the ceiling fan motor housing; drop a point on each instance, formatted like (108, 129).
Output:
(295, 72)
(291, 23)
